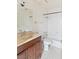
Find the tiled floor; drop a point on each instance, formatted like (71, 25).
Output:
(52, 53)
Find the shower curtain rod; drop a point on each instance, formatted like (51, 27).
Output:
(53, 13)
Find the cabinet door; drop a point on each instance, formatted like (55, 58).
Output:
(22, 55)
(35, 51)
(31, 52)
(38, 49)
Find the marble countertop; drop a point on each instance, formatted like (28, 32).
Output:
(25, 37)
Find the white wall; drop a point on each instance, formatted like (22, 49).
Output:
(24, 22)
(54, 5)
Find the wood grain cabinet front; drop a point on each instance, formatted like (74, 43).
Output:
(35, 51)
(32, 52)
(22, 55)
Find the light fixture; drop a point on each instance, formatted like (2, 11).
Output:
(22, 3)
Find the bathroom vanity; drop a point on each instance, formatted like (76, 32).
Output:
(29, 45)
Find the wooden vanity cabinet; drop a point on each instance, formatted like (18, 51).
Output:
(32, 50)
(22, 55)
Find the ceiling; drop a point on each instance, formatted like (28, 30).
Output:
(46, 5)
